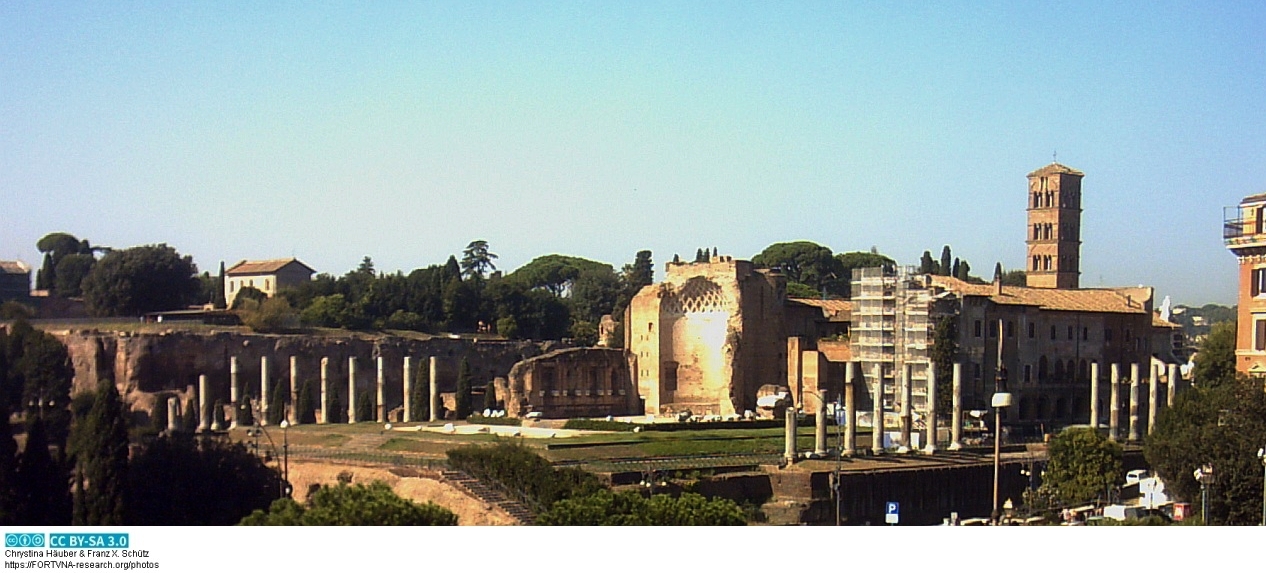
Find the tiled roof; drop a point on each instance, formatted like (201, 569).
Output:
(1122, 300)
(14, 267)
(1056, 168)
(263, 267)
(1158, 322)
(1253, 199)
(831, 308)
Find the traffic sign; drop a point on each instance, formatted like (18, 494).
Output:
(892, 513)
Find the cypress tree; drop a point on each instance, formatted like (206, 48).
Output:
(947, 261)
(927, 266)
(277, 402)
(9, 507)
(219, 301)
(463, 397)
(43, 483)
(100, 446)
(490, 396)
(304, 405)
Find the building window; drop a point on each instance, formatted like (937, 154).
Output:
(1052, 332)
(1032, 329)
(267, 284)
(1259, 334)
(1028, 373)
(1010, 329)
(977, 329)
(1070, 332)
(1107, 335)
(993, 329)
(1085, 333)
(1259, 282)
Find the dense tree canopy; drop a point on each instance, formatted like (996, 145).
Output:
(1221, 422)
(99, 442)
(347, 504)
(139, 280)
(631, 508)
(1083, 465)
(180, 480)
(67, 261)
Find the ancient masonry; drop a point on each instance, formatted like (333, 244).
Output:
(241, 371)
(707, 337)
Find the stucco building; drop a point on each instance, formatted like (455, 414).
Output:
(268, 277)
(1244, 231)
(15, 280)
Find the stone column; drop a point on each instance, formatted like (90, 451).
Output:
(325, 390)
(173, 414)
(956, 417)
(204, 403)
(435, 388)
(294, 391)
(905, 419)
(789, 436)
(819, 433)
(382, 388)
(930, 446)
(849, 447)
(1171, 388)
(351, 390)
(263, 390)
(877, 424)
(233, 392)
(408, 389)
(1114, 408)
(1153, 397)
(1133, 435)
(1094, 395)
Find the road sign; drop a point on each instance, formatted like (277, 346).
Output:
(892, 513)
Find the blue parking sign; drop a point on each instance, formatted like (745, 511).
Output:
(892, 513)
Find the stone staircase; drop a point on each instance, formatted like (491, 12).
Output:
(490, 495)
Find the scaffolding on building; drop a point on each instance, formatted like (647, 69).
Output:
(894, 328)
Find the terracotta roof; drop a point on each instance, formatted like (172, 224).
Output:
(831, 304)
(1254, 199)
(1056, 168)
(1158, 322)
(831, 308)
(264, 267)
(836, 351)
(14, 267)
(1120, 300)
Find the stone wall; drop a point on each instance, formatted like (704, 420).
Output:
(707, 338)
(171, 361)
(572, 383)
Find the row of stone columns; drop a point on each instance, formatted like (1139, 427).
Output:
(208, 422)
(1114, 397)
(849, 445)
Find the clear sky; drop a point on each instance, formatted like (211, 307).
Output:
(403, 131)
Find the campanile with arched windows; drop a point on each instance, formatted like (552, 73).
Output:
(1054, 229)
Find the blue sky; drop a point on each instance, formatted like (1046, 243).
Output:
(404, 131)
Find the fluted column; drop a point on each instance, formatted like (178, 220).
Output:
(849, 447)
(408, 389)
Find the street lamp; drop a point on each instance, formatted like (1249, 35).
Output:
(285, 457)
(1204, 475)
(1261, 455)
(1001, 399)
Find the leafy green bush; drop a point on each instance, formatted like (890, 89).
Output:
(630, 508)
(346, 504)
(522, 474)
(599, 425)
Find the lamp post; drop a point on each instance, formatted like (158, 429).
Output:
(285, 457)
(1261, 455)
(1204, 475)
(1001, 399)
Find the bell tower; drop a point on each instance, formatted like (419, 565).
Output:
(1054, 230)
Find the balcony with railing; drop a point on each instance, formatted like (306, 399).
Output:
(1244, 226)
